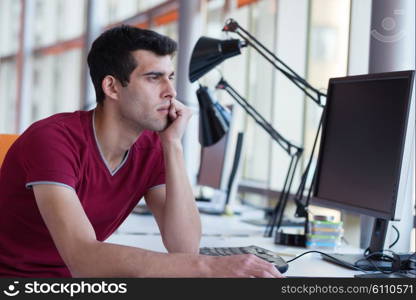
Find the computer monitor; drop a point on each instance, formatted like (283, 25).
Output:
(212, 164)
(364, 153)
(219, 165)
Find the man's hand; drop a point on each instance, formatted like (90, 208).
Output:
(175, 209)
(243, 265)
(179, 116)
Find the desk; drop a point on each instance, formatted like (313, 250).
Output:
(228, 231)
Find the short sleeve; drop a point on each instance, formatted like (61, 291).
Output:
(50, 156)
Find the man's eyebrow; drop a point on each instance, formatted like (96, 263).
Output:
(155, 73)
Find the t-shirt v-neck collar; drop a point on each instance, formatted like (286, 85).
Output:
(107, 165)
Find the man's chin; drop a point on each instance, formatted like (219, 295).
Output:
(160, 127)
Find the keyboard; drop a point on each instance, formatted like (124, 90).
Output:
(262, 253)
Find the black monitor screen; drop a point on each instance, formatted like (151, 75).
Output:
(362, 143)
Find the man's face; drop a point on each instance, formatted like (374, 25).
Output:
(145, 101)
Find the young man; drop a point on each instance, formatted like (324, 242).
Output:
(70, 180)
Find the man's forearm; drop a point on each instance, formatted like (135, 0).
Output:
(182, 224)
(100, 259)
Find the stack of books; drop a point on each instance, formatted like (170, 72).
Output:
(324, 234)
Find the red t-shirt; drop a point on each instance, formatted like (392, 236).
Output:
(63, 149)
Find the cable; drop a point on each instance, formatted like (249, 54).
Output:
(395, 260)
(397, 238)
(327, 255)
(369, 254)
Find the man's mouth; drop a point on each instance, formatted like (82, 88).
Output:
(163, 111)
(164, 108)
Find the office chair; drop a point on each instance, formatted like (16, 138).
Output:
(6, 140)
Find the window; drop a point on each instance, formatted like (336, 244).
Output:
(327, 57)
(309, 36)
(9, 26)
(9, 44)
(8, 96)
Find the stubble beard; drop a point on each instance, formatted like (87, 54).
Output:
(158, 125)
(164, 125)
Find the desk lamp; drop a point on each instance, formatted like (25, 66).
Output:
(214, 118)
(209, 53)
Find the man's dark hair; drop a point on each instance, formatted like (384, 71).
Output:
(110, 53)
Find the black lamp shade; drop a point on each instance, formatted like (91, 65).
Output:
(208, 53)
(214, 119)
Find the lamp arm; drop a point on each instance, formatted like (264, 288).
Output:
(312, 93)
(301, 210)
(233, 26)
(295, 78)
(277, 216)
(291, 149)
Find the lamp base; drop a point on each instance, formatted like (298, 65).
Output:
(290, 239)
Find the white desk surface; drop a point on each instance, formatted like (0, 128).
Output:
(228, 231)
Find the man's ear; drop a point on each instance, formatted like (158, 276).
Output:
(110, 86)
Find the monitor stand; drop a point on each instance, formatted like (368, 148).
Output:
(358, 260)
(375, 262)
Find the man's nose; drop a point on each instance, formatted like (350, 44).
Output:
(169, 90)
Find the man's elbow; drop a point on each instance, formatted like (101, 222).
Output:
(180, 246)
(81, 261)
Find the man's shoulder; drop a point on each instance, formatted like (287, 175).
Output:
(49, 140)
(71, 121)
(62, 119)
(69, 126)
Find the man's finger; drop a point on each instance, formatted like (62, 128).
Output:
(182, 109)
(172, 111)
(177, 103)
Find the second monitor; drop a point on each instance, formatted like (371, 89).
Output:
(365, 153)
